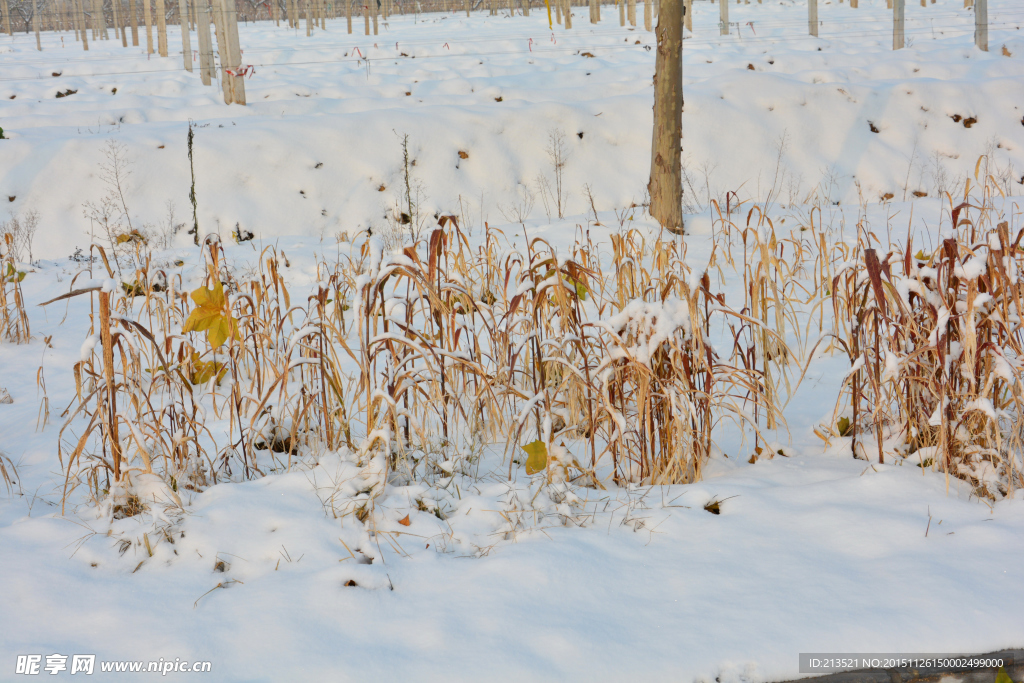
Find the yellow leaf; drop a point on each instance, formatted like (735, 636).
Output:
(537, 457)
(200, 320)
(1002, 676)
(220, 330)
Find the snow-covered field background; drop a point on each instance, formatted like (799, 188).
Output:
(474, 575)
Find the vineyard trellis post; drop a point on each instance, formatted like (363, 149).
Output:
(723, 20)
(812, 17)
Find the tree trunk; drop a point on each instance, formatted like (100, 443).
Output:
(161, 27)
(230, 54)
(80, 9)
(665, 186)
(897, 24)
(135, 23)
(35, 28)
(206, 68)
(147, 14)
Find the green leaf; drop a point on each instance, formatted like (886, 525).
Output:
(844, 426)
(581, 289)
(920, 256)
(537, 457)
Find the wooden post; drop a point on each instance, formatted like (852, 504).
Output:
(568, 14)
(853, 4)
(723, 12)
(276, 11)
(366, 17)
(186, 40)
(309, 17)
(666, 185)
(135, 23)
(631, 12)
(526, 8)
(147, 14)
(348, 14)
(206, 70)
(595, 12)
(161, 27)
(647, 15)
(7, 19)
(469, 7)
(981, 24)
(812, 17)
(688, 15)
(622, 11)
(897, 24)
(375, 10)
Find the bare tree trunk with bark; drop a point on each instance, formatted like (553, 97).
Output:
(665, 186)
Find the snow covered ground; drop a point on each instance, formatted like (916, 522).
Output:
(474, 576)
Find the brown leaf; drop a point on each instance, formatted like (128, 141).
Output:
(405, 521)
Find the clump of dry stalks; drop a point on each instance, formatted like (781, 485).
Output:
(408, 360)
(586, 366)
(934, 337)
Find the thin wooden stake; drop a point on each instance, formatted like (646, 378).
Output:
(723, 12)
(812, 17)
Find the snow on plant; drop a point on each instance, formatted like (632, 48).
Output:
(935, 343)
